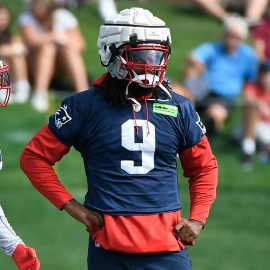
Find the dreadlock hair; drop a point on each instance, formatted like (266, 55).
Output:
(115, 90)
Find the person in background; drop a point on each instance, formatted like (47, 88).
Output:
(13, 52)
(257, 117)
(24, 257)
(252, 10)
(180, 89)
(216, 73)
(261, 37)
(129, 129)
(55, 45)
(106, 8)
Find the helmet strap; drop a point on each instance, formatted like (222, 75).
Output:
(154, 79)
(136, 105)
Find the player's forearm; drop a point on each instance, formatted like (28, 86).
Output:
(8, 238)
(37, 160)
(44, 179)
(203, 177)
(202, 196)
(202, 188)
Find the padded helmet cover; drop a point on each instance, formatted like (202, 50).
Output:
(121, 28)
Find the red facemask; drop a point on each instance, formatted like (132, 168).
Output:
(145, 64)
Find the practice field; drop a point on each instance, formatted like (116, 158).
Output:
(236, 236)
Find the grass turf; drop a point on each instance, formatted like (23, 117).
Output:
(237, 233)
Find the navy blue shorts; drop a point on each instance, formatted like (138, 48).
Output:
(101, 259)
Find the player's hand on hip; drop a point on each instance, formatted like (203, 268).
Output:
(91, 219)
(26, 258)
(188, 229)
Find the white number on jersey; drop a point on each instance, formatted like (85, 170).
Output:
(147, 147)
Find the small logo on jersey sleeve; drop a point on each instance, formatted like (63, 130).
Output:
(200, 124)
(165, 109)
(61, 116)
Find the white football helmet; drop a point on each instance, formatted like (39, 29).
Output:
(134, 45)
(5, 86)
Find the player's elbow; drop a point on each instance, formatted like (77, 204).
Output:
(24, 161)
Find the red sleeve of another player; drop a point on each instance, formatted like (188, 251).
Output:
(200, 166)
(37, 161)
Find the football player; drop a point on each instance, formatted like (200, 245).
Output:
(24, 257)
(129, 129)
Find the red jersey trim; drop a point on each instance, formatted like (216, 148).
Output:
(100, 80)
(37, 159)
(139, 234)
(200, 166)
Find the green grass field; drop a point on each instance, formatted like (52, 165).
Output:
(236, 236)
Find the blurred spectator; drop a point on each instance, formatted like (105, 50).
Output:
(252, 10)
(216, 73)
(13, 52)
(71, 4)
(261, 38)
(55, 47)
(257, 116)
(180, 89)
(106, 8)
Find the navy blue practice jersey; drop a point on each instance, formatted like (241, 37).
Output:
(129, 157)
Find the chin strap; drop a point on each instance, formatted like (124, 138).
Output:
(167, 93)
(153, 80)
(137, 105)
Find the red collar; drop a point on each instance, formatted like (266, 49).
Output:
(100, 80)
